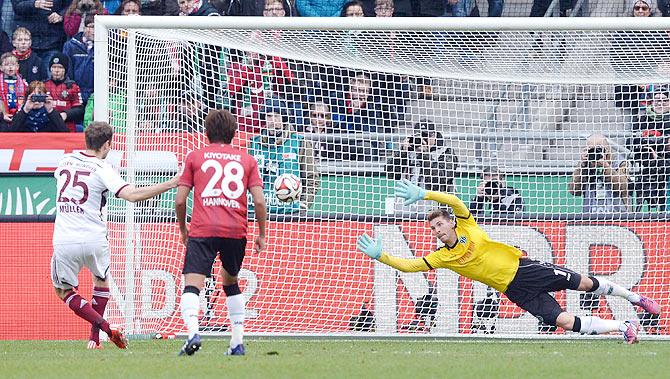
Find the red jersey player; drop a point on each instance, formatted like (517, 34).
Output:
(220, 176)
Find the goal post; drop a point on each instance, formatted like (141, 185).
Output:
(497, 111)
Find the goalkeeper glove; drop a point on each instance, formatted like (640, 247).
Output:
(409, 191)
(372, 248)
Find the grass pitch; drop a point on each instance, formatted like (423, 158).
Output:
(296, 358)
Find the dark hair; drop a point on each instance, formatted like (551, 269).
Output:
(350, 4)
(447, 213)
(119, 10)
(97, 134)
(220, 126)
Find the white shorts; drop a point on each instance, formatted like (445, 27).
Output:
(68, 260)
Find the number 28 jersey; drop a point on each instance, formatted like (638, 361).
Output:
(220, 176)
(82, 185)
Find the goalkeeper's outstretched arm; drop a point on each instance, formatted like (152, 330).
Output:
(413, 193)
(373, 249)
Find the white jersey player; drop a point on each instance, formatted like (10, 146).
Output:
(83, 183)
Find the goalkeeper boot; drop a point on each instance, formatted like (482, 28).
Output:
(631, 333)
(118, 339)
(649, 305)
(191, 345)
(237, 350)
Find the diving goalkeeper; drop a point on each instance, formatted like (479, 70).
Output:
(470, 252)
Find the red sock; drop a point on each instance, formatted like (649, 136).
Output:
(99, 303)
(83, 309)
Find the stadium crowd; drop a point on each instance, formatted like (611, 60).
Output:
(47, 76)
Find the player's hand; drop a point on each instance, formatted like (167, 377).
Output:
(183, 235)
(409, 191)
(372, 248)
(259, 244)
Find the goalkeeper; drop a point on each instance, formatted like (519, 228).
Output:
(470, 252)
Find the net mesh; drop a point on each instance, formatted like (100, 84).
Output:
(500, 119)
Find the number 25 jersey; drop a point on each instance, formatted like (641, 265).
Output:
(82, 185)
(220, 176)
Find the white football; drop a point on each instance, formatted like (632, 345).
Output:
(288, 188)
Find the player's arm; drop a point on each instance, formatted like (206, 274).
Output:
(134, 194)
(180, 210)
(413, 193)
(261, 215)
(373, 249)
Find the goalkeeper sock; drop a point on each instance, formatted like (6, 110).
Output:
(603, 286)
(190, 305)
(99, 303)
(83, 309)
(596, 325)
(235, 303)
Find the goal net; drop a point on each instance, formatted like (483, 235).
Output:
(553, 133)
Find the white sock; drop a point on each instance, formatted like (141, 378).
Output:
(596, 325)
(236, 312)
(608, 288)
(190, 305)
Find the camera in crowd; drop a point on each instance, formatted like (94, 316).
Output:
(595, 153)
(38, 98)
(86, 6)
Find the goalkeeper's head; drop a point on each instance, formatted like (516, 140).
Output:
(220, 126)
(443, 223)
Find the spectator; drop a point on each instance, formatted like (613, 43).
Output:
(649, 160)
(424, 160)
(599, 179)
(320, 121)
(238, 7)
(7, 22)
(319, 8)
(196, 8)
(117, 105)
(356, 111)
(44, 19)
(31, 66)
(185, 115)
(12, 87)
(251, 81)
(75, 16)
(492, 192)
(279, 149)
(134, 8)
(154, 7)
(37, 113)
(79, 50)
(66, 94)
(384, 8)
(278, 8)
(353, 8)
(632, 97)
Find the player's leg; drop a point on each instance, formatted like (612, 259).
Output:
(597, 325)
(98, 264)
(97, 259)
(65, 267)
(601, 286)
(99, 304)
(200, 256)
(232, 256)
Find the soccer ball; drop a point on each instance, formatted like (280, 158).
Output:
(288, 188)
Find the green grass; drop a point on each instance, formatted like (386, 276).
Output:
(295, 358)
